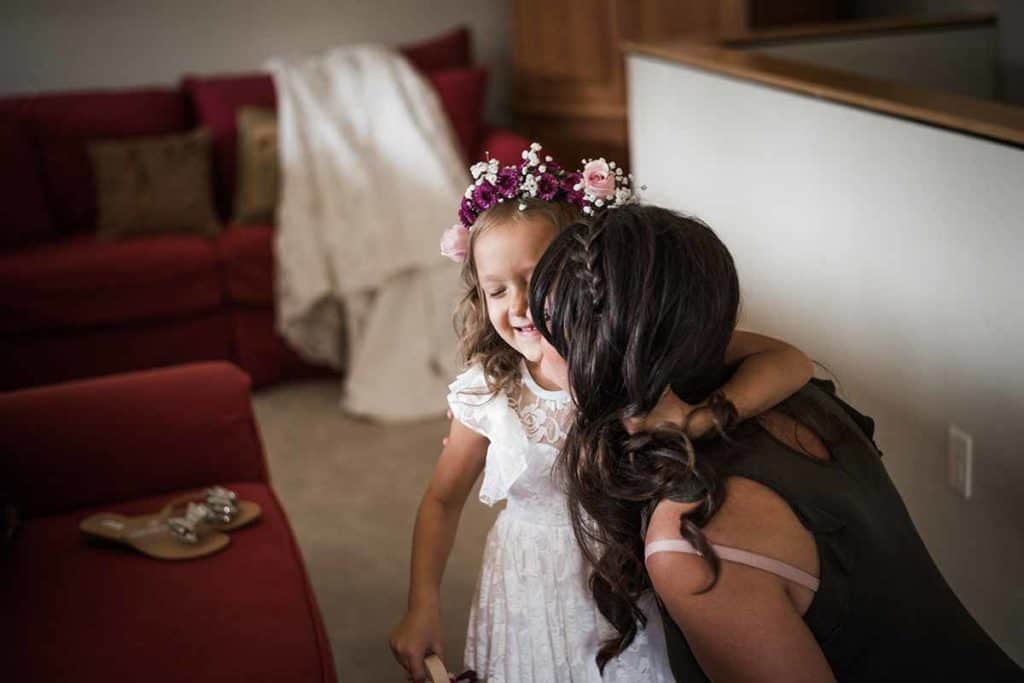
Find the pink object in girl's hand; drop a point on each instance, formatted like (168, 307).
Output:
(455, 242)
(598, 179)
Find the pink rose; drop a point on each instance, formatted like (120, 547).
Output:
(598, 179)
(455, 242)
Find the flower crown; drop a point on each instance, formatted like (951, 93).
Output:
(600, 185)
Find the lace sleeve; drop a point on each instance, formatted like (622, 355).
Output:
(468, 399)
(490, 415)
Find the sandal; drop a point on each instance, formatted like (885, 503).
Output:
(227, 512)
(182, 530)
(158, 535)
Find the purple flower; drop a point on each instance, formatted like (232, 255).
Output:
(485, 196)
(570, 181)
(575, 198)
(547, 187)
(508, 182)
(467, 212)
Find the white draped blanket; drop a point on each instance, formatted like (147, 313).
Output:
(371, 176)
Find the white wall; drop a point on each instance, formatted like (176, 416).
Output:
(961, 60)
(891, 252)
(59, 44)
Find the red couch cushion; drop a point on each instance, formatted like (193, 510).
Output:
(82, 611)
(81, 281)
(451, 50)
(503, 145)
(32, 360)
(462, 96)
(263, 353)
(217, 99)
(247, 259)
(247, 255)
(24, 216)
(63, 124)
(117, 446)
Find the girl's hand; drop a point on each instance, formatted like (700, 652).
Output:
(672, 410)
(418, 635)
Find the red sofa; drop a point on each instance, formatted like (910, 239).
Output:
(76, 610)
(72, 306)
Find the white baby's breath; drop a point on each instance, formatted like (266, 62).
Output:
(530, 185)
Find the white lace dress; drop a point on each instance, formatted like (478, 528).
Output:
(533, 617)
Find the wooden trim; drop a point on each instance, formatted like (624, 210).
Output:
(992, 120)
(846, 29)
(573, 110)
(733, 16)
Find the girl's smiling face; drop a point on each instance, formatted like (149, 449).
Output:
(505, 257)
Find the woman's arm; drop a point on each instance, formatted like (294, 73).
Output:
(746, 628)
(419, 632)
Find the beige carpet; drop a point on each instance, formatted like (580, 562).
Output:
(351, 490)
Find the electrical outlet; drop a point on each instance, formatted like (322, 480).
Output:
(961, 461)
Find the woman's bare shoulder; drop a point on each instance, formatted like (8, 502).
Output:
(747, 509)
(752, 517)
(743, 625)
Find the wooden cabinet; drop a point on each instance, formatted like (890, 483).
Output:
(570, 91)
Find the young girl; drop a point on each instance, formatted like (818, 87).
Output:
(533, 617)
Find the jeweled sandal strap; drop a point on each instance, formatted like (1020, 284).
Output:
(222, 502)
(187, 527)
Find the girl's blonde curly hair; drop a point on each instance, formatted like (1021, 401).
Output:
(479, 342)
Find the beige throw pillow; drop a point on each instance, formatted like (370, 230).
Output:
(258, 169)
(154, 186)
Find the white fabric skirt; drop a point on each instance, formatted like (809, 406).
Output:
(533, 617)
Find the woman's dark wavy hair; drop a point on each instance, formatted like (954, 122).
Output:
(636, 301)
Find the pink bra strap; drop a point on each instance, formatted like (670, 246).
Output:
(786, 571)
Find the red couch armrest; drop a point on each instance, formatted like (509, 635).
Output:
(115, 438)
(503, 145)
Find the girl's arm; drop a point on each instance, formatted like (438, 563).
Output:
(770, 371)
(419, 632)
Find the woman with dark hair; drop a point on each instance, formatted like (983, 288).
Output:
(779, 547)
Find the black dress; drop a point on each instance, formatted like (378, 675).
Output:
(883, 612)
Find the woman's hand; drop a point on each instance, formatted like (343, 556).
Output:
(418, 635)
(674, 411)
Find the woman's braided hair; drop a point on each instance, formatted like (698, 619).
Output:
(586, 256)
(637, 300)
